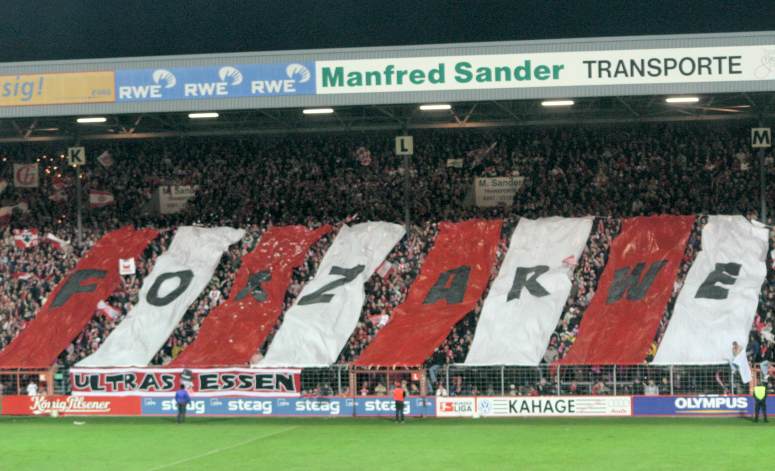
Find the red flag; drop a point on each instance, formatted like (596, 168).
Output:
(56, 242)
(107, 310)
(385, 269)
(98, 199)
(235, 330)
(622, 319)
(453, 278)
(70, 307)
(7, 211)
(105, 159)
(25, 238)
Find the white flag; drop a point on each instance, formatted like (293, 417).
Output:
(98, 199)
(526, 299)
(126, 266)
(317, 326)
(177, 279)
(25, 175)
(717, 303)
(740, 364)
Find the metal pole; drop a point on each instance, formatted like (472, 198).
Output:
(407, 220)
(559, 389)
(762, 182)
(78, 205)
(446, 369)
(503, 382)
(339, 381)
(672, 387)
(614, 380)
(78, 197)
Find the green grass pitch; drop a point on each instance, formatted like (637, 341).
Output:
(38, 443)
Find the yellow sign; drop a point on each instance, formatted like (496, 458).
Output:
(57, 89)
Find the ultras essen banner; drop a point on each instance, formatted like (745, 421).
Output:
(163, 382)
(540, 70)
(235, 330)
(71, 305)
(452, 279)
(619, 325)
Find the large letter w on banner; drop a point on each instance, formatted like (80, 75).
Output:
(626, 281)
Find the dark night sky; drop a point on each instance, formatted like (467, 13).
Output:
(74, 29)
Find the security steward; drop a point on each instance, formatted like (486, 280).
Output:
(399, 394)
(760, 401)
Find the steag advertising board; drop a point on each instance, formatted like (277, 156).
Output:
(301, 406)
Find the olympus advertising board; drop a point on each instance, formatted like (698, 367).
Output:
(695, 405)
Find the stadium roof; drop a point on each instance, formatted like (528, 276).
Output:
(488, 84)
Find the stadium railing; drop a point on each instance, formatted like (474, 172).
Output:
(460, 380)
(15, 381)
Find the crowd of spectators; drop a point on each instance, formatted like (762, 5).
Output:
(610, 172)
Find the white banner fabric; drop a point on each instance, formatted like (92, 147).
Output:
(717, 303)
(526, 299)
(177, 279)
(317, 326)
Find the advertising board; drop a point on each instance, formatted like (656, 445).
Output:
(546, 69)
(291, 407)
(698, 406)
(57, 89)
(216, 81)
(70, 405)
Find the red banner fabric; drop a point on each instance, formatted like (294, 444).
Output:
(235, 330)
(622, 319)
(74, 301)
(71, 405)
(452, 279)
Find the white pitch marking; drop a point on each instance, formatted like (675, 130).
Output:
(218, 450)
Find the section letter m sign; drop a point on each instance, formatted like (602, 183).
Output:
(761, 138)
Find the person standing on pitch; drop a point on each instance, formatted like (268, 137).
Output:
(182, 399)
(399, 394)
(760, 401)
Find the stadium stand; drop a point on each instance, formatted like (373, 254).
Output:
(610, 172)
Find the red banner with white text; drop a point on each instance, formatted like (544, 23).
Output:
(235, 330)
(71, 405)
(73, 302)
(620, 323)
(453, 278)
